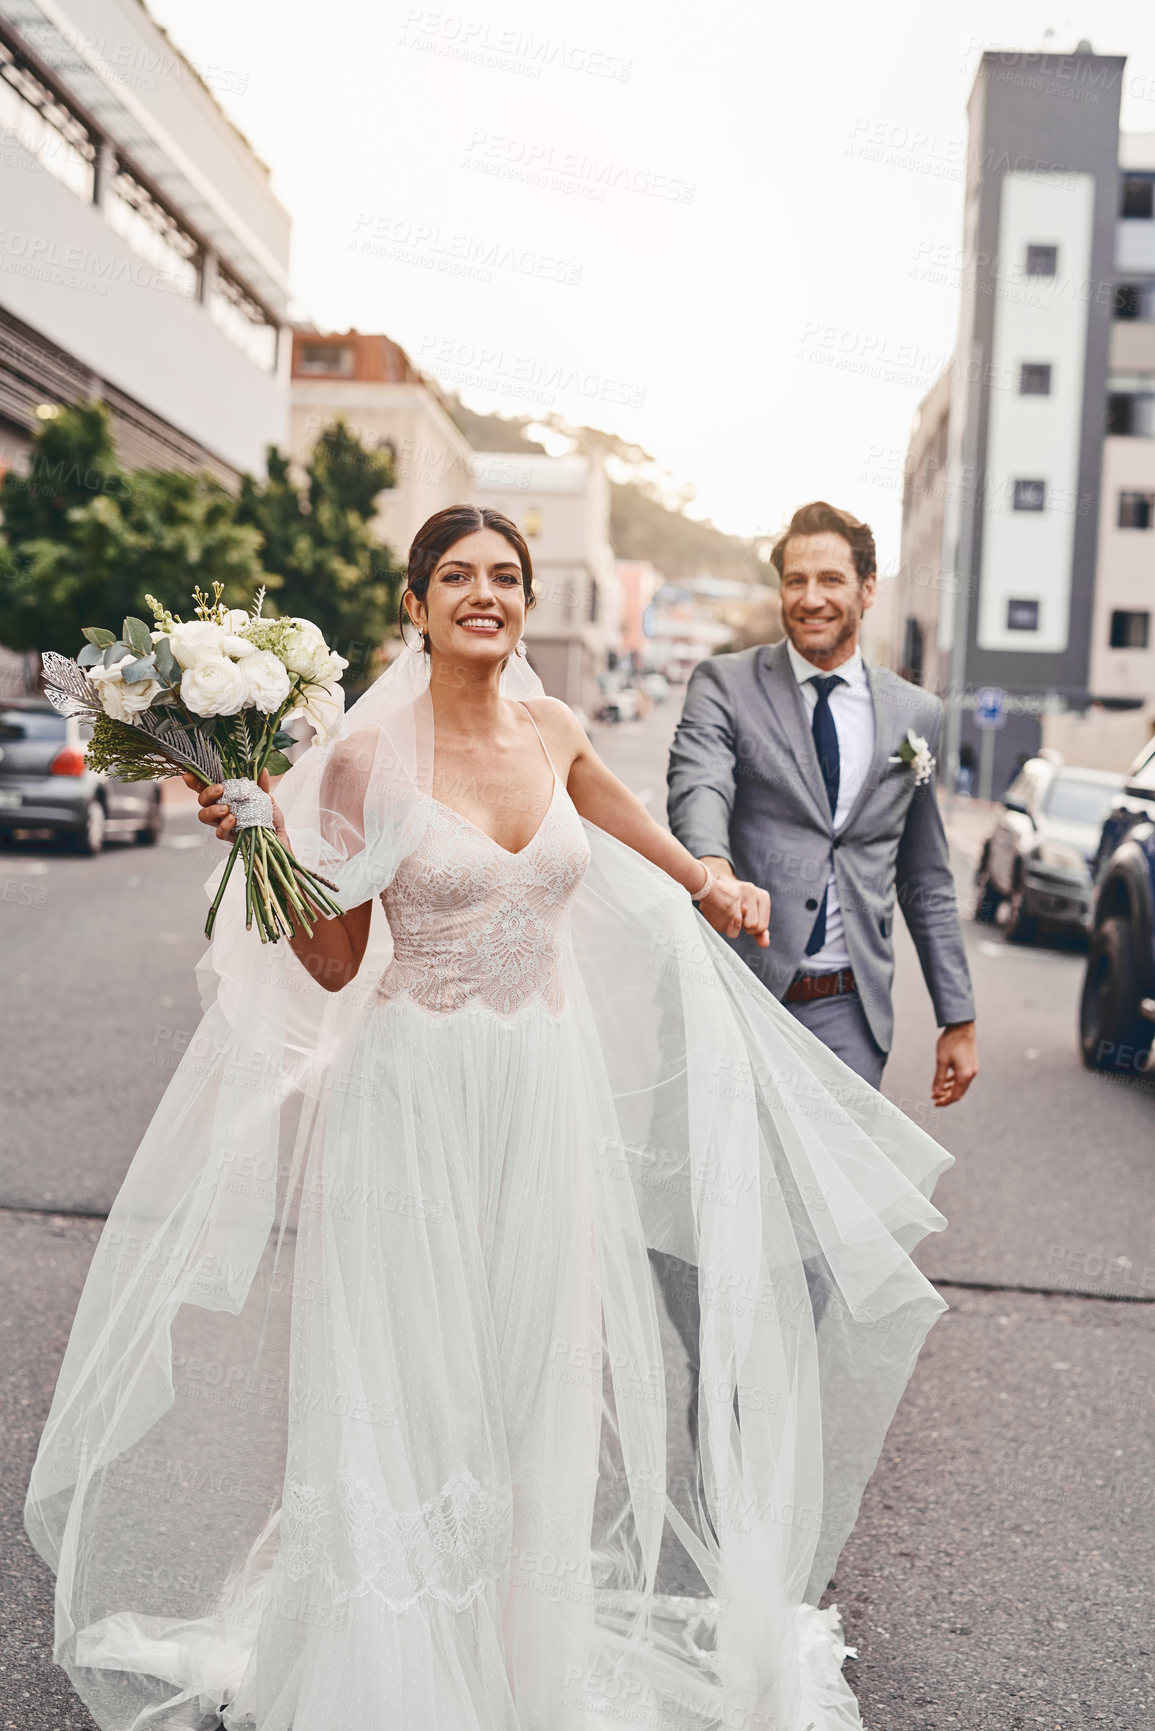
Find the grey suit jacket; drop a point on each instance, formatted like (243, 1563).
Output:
(745, 785)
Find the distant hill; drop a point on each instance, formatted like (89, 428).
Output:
(647, 510)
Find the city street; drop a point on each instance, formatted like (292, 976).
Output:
(999, 1576)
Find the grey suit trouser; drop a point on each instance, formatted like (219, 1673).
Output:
(840, 1023)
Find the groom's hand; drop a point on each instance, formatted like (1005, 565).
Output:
(733, 906)
(956, 1063)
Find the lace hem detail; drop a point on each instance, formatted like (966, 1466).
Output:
(450, 1549)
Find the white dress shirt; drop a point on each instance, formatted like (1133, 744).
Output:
(852, 710)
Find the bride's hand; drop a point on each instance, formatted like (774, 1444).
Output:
(733, 906)
(219, 816)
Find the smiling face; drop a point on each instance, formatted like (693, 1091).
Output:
(823, 597)
(474, 608)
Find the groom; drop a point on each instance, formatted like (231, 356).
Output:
(792, 770)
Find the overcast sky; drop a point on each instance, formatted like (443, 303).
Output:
(745, 288)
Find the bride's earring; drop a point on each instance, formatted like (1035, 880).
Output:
(520, 649)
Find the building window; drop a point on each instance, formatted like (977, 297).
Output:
(1022, 616)
(1042, 260)
(242, 320)
(1138, 203)
(912, 649)
(38, 120)
(1135, 300)
(1035, 379)
(154, 234)
(1030, 495)
(1136, 510)
(334, 360)
(1129, 630)
(531, 522)
(1131, 406)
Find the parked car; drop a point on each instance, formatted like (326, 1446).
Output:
(1036, 865)
(45, 782)
(1117, 1007)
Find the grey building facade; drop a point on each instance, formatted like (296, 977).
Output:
(1034, 371)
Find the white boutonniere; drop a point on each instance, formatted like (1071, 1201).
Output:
(915, 752)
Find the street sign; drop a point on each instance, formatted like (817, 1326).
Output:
(990, 707)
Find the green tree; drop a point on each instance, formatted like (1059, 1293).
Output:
(84, 540)
(319, 547)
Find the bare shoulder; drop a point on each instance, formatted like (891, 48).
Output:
(560, 727)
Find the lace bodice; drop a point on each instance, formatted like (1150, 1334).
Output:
(472, 922)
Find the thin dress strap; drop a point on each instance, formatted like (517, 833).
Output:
(537, 730)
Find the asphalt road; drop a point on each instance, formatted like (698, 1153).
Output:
(999, 1576)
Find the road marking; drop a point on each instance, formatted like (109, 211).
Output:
(180, 841)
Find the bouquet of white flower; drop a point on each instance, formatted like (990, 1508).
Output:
(209, 697)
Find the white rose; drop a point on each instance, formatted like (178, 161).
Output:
(198, 641)
(236, 647)
(120, 701)
(236, 619)
(306, 651)
(266, 680)
(214, 687)
(323, 705)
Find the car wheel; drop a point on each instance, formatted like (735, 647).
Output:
(149, 834)
(1112, 1033)
(987, 897)
(90, 839)
(1020, 927)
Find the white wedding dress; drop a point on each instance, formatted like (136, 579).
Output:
(382, 1411)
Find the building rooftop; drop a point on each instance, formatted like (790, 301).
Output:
(195, 74)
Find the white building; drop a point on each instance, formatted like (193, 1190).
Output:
(1122, 638)
(143, 254)
(370, 383)
(562, 506)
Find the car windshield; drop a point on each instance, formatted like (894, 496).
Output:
(1072, 801)
(32, 724)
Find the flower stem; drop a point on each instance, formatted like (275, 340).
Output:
(229, 864)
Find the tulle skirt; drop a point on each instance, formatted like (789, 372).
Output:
(525, 1376)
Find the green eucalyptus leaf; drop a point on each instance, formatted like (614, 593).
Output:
(277, 763)
(166, 662)
(99, 636)
(115, 652)
(137, 635)
(283, 739)
(140, 670)
(89, 655)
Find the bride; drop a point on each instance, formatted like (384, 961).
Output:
(373, 1417)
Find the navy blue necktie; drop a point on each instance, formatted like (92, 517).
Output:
(826, 745)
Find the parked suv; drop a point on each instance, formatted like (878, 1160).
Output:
(45, 782)
(1117, 1008)
(1036, 865)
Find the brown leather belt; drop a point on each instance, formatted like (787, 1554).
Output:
(804, 988)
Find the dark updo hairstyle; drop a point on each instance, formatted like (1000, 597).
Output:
(443, 531)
